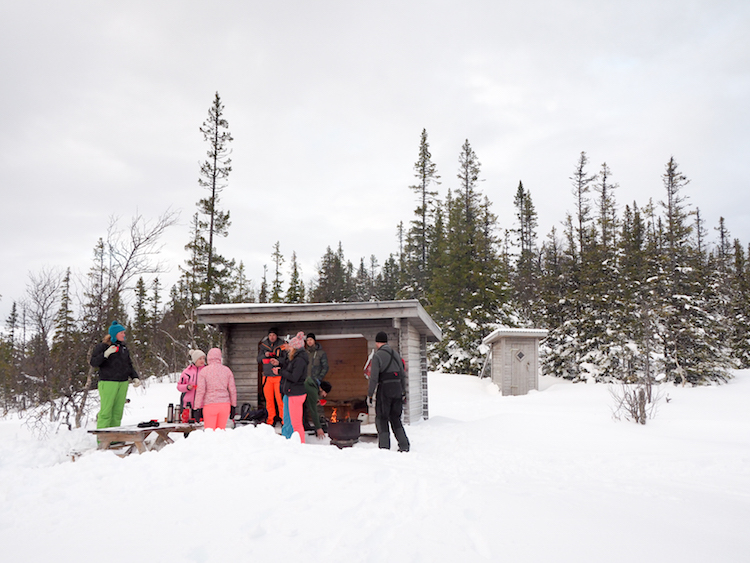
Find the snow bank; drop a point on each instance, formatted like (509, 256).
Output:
(544, 477)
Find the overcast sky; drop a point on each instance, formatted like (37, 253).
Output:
(101, 104)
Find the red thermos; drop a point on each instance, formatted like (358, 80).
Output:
(186, 413)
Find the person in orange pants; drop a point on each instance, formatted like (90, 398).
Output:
(270, 351)
(272, 393)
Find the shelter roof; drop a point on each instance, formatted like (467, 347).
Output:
(270, 313)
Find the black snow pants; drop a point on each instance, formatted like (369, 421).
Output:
(388, 408)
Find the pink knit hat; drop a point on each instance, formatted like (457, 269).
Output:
(298, 342)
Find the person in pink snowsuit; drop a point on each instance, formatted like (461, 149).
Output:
(216, 393)
(189, 379)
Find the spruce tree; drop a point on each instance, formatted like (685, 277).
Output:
(606, 207)
(598, 282)
(161, 350)
(724, 248)
(96, 304)
(195, 271)
(559, 292)
(689, 333)
(525, 278)
(584, 346)
(155, 304)
(388, 281)
(335, 283)
(632, 321)
(263, 294)
(296, 291)
(362, 283)
(581, 182)
(142, 323)
(467, 282)
(242, 287)
(276, 287)
(140, 329)
(488, 308)
(10, 372)
(69, 348)
(65, 323)
(418, 238)
(214, 174)
(552, 289)
(740, 306)
(439, 290)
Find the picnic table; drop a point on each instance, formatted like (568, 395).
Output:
(132, 438)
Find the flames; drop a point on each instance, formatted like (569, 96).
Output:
(343, 416)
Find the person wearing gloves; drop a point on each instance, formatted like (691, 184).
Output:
(115, 370)
(270, 356)
(216, 393)
(388, 384)
(189, 379)
(293, 373)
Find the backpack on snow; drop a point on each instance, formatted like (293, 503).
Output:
(247, 413)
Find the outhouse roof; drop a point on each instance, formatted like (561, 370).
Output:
(269, 313)
(503, 332)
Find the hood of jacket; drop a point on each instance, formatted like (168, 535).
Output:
(214, 356)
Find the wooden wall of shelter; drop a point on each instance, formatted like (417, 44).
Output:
(514, 359)
(346, 331)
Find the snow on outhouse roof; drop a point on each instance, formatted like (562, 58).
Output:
(499, 333)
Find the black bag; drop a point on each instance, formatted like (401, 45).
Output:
(252, 415)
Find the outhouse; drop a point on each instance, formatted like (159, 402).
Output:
(346, 331)
(513, 359)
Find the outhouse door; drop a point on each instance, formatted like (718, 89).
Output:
(522, 355)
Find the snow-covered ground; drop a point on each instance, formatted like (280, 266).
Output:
(545, 477)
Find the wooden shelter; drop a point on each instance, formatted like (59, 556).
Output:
(514, 359)
(346, 331)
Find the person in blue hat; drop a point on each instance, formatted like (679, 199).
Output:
(115, 371)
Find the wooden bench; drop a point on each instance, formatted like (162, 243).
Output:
(131, 438)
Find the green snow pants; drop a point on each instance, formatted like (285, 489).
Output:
(311, 402)
(112, 397)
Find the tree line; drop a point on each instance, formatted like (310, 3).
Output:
(626, 292)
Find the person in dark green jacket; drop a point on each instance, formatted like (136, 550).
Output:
(115, 371)
(316, 372)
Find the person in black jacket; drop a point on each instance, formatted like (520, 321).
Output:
(270, 355)
(388, 384)
(293, 372)
(115, 370)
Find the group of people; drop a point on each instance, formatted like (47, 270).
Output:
(293, 376)
(293, 382)
(206, 383)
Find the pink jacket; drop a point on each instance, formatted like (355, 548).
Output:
(189, 377)
(215, 382)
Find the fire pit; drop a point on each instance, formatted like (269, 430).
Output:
(344, 434)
